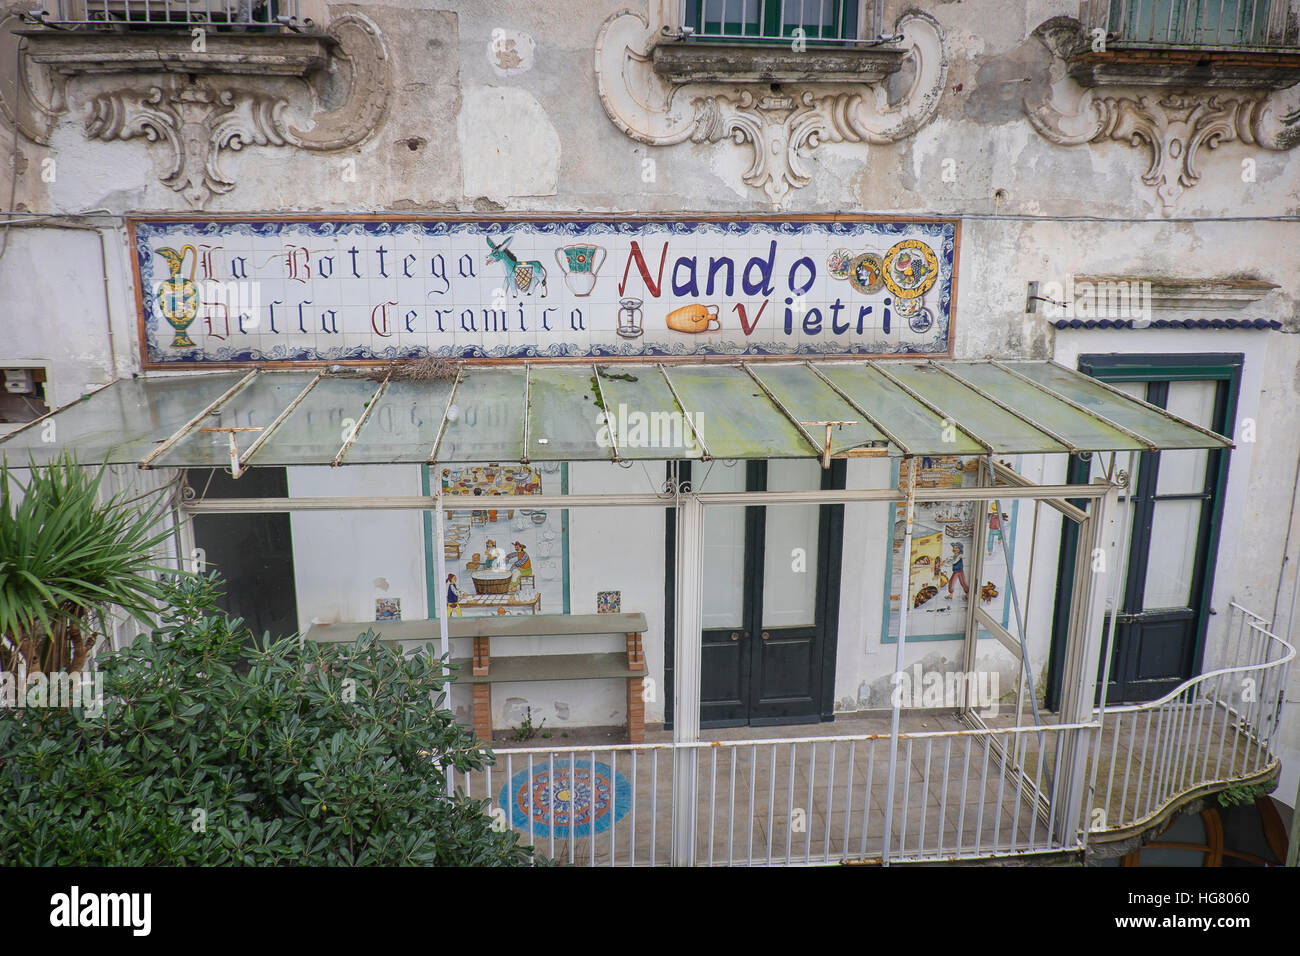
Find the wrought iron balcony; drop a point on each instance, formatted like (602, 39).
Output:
(777, 41)
(1194, 24)
(816, 22)
(123, 15)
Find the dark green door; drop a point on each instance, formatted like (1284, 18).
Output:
(1176, 509)
(769, 608)
(253, 552)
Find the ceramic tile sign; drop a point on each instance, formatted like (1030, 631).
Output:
(222, 292)
(940, 585)
(503, 560)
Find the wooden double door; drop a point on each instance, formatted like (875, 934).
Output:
(770, 597)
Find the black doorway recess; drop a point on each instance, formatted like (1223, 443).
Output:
(1177, 501)
(253, 553)
(771, 609)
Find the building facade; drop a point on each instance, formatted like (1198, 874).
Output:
(1110, 186)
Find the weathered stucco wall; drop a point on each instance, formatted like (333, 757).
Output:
(496, 107)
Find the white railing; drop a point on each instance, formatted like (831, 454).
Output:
(1215, 729)
(956, 794)
(174, 13)
(835, 21)
(969, 794)
(1228, 24)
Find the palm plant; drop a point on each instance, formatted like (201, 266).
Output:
(67, 560)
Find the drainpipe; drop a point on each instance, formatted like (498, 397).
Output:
(686, 673)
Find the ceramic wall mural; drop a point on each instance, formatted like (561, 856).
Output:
(506, 560)
(221, 291)
(940, 585)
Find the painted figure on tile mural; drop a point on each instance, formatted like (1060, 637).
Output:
(995, 527)
(520, 565)
(495, 556)
(958, 570)
(521, 276)
(454, 594)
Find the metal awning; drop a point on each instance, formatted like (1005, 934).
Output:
(614, 412)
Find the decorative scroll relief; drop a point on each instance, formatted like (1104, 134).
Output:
(199, 120)
(779, 128)
(1172, 125)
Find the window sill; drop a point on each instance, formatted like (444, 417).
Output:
(734, 62)
(1184, 67)
(259, 54)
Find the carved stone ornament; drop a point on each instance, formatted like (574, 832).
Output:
(200, 116)
(1173, 125)
(778, 127)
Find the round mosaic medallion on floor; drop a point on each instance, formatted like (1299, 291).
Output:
(574, 795)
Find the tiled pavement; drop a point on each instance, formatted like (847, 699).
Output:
(775, 802)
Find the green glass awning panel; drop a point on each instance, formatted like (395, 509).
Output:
(327, 412)
(916, 427)
(489, 421)
(119, 424)
(646, 420)
(255, 406)
(1084, 431)
(1159, 428)
(981, 419)
(807, 398)
(563, 415)
(733, 416)
(404, 424)
(551, 412)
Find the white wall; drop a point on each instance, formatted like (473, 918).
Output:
(344, 560)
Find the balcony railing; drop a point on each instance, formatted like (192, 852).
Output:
(1213, 730)
(176, 14)
(826, 22)
(1195, 24)
(958, 794)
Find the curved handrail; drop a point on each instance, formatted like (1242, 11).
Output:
(1183, 687)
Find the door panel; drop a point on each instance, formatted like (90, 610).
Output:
(1175, 504)
(725, 652)
(790, 553)
(786, 656)
(766, 565)
(1174, 528)
(253, 552)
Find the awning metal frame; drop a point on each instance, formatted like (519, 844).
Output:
(1082, 417)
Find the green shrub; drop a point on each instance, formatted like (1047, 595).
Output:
(67, 560)
(216, 748)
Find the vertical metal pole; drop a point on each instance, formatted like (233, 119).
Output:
(975, 564)
(440, 562)
(440, 559)
(686, 673)
(1083, 647)
(909, 513)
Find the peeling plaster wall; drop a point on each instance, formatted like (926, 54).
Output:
(494, 107)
